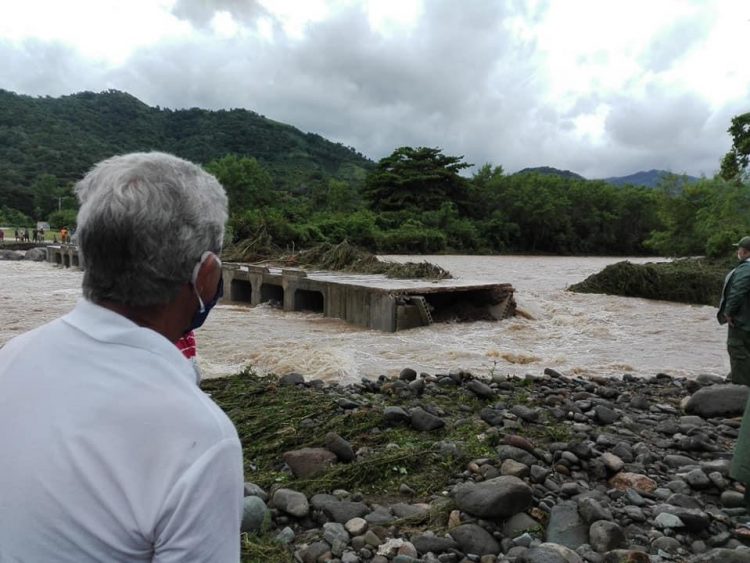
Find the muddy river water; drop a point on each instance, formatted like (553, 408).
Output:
(572, 333)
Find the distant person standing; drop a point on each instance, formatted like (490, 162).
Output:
(734, 311)
(64, 235)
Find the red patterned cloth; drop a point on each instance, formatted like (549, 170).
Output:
(187, 345)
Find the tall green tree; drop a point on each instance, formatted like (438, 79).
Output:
(246, 181)
(418, 179)
(734, 165)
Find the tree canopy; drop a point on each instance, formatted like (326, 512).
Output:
(292, 189)
(419, 179)
(734, 165)
(64, 137)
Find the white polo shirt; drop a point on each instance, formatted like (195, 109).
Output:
(109, 451)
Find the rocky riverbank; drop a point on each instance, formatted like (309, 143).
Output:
(452, 468)
(36, 254)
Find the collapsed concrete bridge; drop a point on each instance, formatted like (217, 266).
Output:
(369, 300)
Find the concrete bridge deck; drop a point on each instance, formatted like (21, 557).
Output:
(63, 255)
(368, 300)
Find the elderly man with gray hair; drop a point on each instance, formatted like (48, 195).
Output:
(109, 451)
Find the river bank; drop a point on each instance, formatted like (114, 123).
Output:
(450, 467)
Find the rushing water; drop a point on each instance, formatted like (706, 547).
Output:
(572, 333)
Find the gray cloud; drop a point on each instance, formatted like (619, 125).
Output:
(677, 40)
(200, 12)
(458, 80)
(38, 68)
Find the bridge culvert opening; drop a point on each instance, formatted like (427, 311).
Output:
(273, 294)
(306, 300)
(241, 290)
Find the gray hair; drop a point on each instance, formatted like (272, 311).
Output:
(144, 222)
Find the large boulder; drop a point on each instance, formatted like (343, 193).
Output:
(472, 538)
(308, 462)
(291, 502)
(36, 254)
(340, 447)
(429, 542)
(551, 553)
(254, 514)
(423, 421)
(605, 536)
(10, 255)
(566, 527)
(626, 480)
(345, 510)
(718, 401)
(500, 497)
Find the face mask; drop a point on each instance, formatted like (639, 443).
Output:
(202, 313)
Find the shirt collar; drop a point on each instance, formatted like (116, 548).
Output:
(104, 325)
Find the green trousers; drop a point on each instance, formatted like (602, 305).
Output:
(738, 346)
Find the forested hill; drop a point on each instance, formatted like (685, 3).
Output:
(649, 178)
(549, 171)
(65, 136)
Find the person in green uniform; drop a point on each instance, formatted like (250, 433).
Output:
(734, 311)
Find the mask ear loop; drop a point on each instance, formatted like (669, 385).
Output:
(194, 277)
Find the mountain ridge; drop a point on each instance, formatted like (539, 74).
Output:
(65, 136)
(648, 178)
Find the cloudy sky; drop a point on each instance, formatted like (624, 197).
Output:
(600, 87)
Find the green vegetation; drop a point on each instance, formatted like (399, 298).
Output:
(289, 190)
(734, 165)
(46, 144)
(273, 419)
(263, 549)
(696, 281)
(346, 258)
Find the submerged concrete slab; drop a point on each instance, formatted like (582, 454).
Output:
(64, 255)
(369, 300)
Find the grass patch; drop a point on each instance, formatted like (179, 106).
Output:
(692, 280)
(263, 549)
(272, 419)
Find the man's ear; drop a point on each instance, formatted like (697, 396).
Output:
(208, 276)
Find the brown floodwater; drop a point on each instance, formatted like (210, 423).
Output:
(573, 333)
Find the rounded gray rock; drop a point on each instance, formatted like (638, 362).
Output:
(408, 374)
(500, 497)
(605, 536)
(36, 254)
(425, 422)
(340, 447)
(550, 553)
(290, 502)
(472, 538)
(718, 400)
(254, 512)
